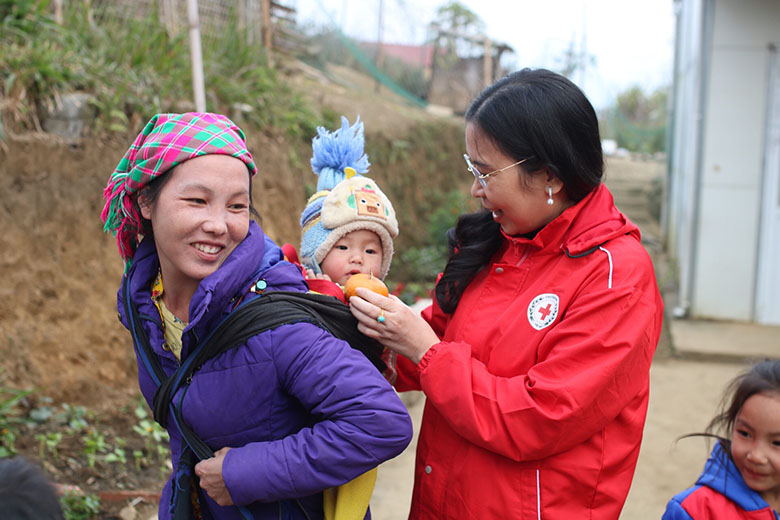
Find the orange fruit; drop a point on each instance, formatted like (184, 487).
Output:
(369, 281)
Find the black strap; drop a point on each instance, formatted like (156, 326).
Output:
(269, 311)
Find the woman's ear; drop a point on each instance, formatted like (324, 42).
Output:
(144, 205)
(552, 180)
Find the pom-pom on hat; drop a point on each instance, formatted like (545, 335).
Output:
(345, 200)
(166, 141)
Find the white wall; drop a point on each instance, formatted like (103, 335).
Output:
(685, 129)
(732, 158)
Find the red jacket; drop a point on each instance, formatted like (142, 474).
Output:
(537, 393)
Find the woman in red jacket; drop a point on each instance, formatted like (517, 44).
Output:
(535, 355)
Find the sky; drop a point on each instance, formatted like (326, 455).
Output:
(631, 42)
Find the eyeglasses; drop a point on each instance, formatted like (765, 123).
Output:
(482, 176)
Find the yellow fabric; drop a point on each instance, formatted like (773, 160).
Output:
(173, 327)
(350, 501)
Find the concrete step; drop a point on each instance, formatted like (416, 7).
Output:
(726, 340)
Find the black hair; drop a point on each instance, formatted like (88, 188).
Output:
(762, 377)
(531, 114)
(26, 493)
(151, 192)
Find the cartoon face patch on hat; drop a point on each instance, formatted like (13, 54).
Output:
(368, 203)
(358, 198)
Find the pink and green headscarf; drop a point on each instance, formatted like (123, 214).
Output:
(166, 141)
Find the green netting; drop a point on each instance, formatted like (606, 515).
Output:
(640, 131)
(638, 138)
(368, 64)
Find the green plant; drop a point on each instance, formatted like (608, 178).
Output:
(422, 263)
(94, 443)
(163, 455)
(10, 418)
(25, 16)
(79, 506)
(48, 443)
(33, 68)
(134, 68)
(7, 442)
(43, 410)
(155, 438)
(129, 74)
(147, 427)
(637, 121)
(253, 83)
(139, 459)
(116, 455)
(74, 416)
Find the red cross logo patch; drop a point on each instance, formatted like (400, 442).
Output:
(543, 310)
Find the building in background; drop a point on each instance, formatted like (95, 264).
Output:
(462, 69)
(722, 215)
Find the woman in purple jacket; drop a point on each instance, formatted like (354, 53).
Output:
(291, 411)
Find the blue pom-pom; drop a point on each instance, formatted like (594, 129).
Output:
(334, 151)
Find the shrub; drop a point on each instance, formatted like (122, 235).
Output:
(134, 68)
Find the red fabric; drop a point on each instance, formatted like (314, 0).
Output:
(511, 409)
(327, 287)
(706, 503)
(291, 254)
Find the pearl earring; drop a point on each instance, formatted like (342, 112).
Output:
(549, 196)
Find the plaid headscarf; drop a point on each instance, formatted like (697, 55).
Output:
(166, 141)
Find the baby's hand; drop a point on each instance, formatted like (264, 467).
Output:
(321, 276)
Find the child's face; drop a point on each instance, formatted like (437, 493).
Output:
(358, 251)
(755, 444)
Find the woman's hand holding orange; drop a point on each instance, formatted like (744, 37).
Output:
(402, 330)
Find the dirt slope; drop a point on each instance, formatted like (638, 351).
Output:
(59, 272)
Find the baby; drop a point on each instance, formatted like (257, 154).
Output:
(348, 230)
(347, 227)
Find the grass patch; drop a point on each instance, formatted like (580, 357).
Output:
(133, 68)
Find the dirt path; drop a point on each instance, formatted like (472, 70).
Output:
(683, 398)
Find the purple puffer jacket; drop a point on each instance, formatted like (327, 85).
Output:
(302, 410)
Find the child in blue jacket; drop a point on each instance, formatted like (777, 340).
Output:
(741, 479)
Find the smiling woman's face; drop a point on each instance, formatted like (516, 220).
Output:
(517, 198)
(199, 217)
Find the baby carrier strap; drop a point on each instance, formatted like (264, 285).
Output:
(265, 312)
(268, 311)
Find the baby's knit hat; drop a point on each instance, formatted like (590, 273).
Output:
(345, 200)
